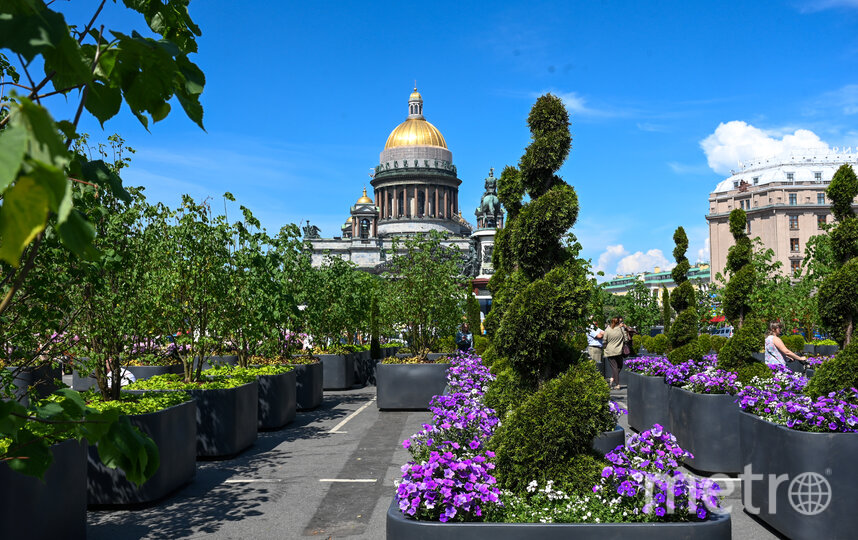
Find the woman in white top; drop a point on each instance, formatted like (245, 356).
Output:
(775, 348)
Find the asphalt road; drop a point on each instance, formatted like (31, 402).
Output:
(306, 481)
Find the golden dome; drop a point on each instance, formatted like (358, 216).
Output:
(415, 132)
(415, 95)
(349, 220)
(364, 199)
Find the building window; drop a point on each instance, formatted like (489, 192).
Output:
(820, 221)
(817, 177)
(793, 223)
(756, 180)
(820, 198)
(795, 266)
(790, 177)
(793, 244)
(793, 199)
(748, 227)
(735, 184)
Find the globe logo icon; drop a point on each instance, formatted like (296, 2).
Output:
(809, 493)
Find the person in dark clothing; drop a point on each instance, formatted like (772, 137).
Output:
(464, 338)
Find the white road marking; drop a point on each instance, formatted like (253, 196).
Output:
(361, 480)
(336, 429)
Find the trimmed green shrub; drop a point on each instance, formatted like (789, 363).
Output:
(689, 351)
(659, 344)
(739, 349)
(472, 311)
(666, 312)
(539, 439)
(704, 341)
(481, 343)
(838, 300)
(683, 330)
(579, 342)
(508, 390)
(794, 342)
(753, 369)
(839, 373)
(447, 344)
(646, 342)
(717, 342)
(637, 341)
(737, 294)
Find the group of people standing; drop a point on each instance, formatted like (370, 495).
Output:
(611, 344)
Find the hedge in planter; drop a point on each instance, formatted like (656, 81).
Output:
(276, 394)
(169, 419)
(227, 411)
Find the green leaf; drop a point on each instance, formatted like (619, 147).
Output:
(103, 101)
(45, 142)
(23, 216)
(100, 174)
(13, 145)
(32, 455)
(77, 235)
(57, 185)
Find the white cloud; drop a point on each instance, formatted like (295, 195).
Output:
(738, 141)
(643, 262)
(844, 99)
(617, 260)
(703, 253)
(683, 168)
(578, 106)
(655, 128)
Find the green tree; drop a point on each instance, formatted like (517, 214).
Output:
(638, 308)
(666, 311)
(838, 302)
(424, 291)
(738, 294)
(472, 311)
(683, 330)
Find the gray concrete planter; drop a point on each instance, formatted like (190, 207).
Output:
(809, 372)
(174, 431)
(146, 372)
(707, 425)
(647, 401)
(795, 366)
(364, 368)
(809, 349)
(782, 456)
(607, 441)
(277, 400)
(308, 382)
(338, 371)
(226, 420)
(409, 386)
(81, 380)
(400, 528)
(41, 379)
(827, 350)
(53, 508)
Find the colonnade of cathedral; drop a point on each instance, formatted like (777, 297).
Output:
(422, 201)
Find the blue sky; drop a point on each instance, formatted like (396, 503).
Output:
(663, 96)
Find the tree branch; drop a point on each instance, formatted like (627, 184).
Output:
(31, 258)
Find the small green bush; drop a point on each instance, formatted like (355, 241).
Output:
(704, 342)
(739, 349)
(540, 438)
(659, 344)
(447, 344)
(646, 342)
(638, 341)
(136, 403)
(481, 343)
(584, 472)
(751, 370)
(794, 342)
(837, 374)
(690, 351)
(717, 342)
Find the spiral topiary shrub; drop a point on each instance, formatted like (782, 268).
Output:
(739, 349)
(683, 330)
(717, 342)
(538, 439)
(704, 342)
(659, 344)
(753, 369)
(740, 268)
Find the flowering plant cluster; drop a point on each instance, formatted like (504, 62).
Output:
(450, 476)
(645, 480)
(713, 381)
(815, 361)
(617, 410)
(654, 366)
(779, 400)
(679, 374)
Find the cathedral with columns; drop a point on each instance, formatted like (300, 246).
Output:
(415, 190)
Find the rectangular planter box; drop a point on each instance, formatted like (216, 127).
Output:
(647, 401)
(308, 383)
(146, 372)
(409, 386)
(827, 350)
(55, 508)
(217, 361)
(41, 378)
(174, 431)
(785, 458)
(809, 349)
(707, 425)
(338, 371)
(400, 528)
(607, 441)
(364, 368)
(277, 401)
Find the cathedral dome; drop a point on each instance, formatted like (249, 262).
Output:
(415, 131)
(364, 199)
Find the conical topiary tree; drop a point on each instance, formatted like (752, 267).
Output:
(472, 312)
(666, 311)
(683, 330)
(540, 294)
(749, 332)
(838, 294)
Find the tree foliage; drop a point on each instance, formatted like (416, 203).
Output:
(741, 272)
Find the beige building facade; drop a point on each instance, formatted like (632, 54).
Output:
(784, 200)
